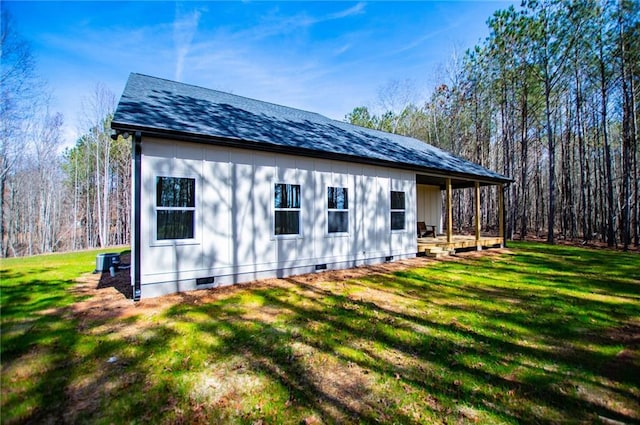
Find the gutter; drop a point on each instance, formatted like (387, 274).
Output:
(137, 203)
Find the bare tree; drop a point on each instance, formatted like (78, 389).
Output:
(99, 110)
(21, 91)
(394, 97)
(46, 185)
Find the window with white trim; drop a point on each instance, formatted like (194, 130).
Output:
(286, 209)
(337, 210)
(175, 208)
(397, 210)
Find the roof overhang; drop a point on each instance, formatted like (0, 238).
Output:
(424, 175)
(457, 182)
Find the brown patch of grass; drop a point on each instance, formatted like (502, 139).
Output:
(349, 384)
(105, 302)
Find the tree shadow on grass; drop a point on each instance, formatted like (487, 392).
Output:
(36, 329)
(450, 350)
(267, 350)
(332, 321)
(40, 344)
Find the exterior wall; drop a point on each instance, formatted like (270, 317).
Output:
(234, 215)
(429, 206)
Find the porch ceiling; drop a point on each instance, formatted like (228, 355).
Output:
(440, 181)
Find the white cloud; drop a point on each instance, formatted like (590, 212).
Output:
(185, 27)
(355, 10)
(275, 24)
(421, 40)
(342, 49)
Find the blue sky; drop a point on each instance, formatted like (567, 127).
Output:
(325, 57)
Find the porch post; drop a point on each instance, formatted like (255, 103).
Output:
(449, 213)
(478, 215)
(501, 212)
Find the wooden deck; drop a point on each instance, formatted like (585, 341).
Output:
(439, 243)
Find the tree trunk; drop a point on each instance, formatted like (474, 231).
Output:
(552, 158)
(607, 151)
(636, 171)
(524, 140)
(584, 171)
(626, 138)
(3, 245)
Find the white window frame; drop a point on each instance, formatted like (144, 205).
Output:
(275, 210)
(182, 241)
(330, 210)
(397, 210)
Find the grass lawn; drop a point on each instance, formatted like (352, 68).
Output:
(538, 334)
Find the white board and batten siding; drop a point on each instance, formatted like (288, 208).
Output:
(234, 237)
(429, 206)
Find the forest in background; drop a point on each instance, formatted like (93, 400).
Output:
(56, 199)
(550, 98)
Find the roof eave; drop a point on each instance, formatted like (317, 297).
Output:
(269, 147)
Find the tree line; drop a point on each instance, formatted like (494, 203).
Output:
(53, 200)
(550, 99)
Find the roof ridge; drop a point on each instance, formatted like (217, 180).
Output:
(236, 95)
(369, 129)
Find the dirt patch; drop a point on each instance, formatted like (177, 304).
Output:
(107, 297)
(100, 303)
(226, 385)
(626, 364)
(348, 386)
(628, 335)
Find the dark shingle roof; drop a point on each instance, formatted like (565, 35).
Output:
(162, 107)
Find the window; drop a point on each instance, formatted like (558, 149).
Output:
(338, 210)
(397, 210)
(287, 209)
(175, 208)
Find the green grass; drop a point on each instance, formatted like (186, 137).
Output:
(544, 334)
(37, 336)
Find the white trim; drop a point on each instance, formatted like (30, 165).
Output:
(402, 210)
(327, 211)
(153, 240)
(298, 235)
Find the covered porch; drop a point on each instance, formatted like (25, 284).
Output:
(440, 239)
(434, 246)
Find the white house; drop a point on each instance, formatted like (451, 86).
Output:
(229, 189)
